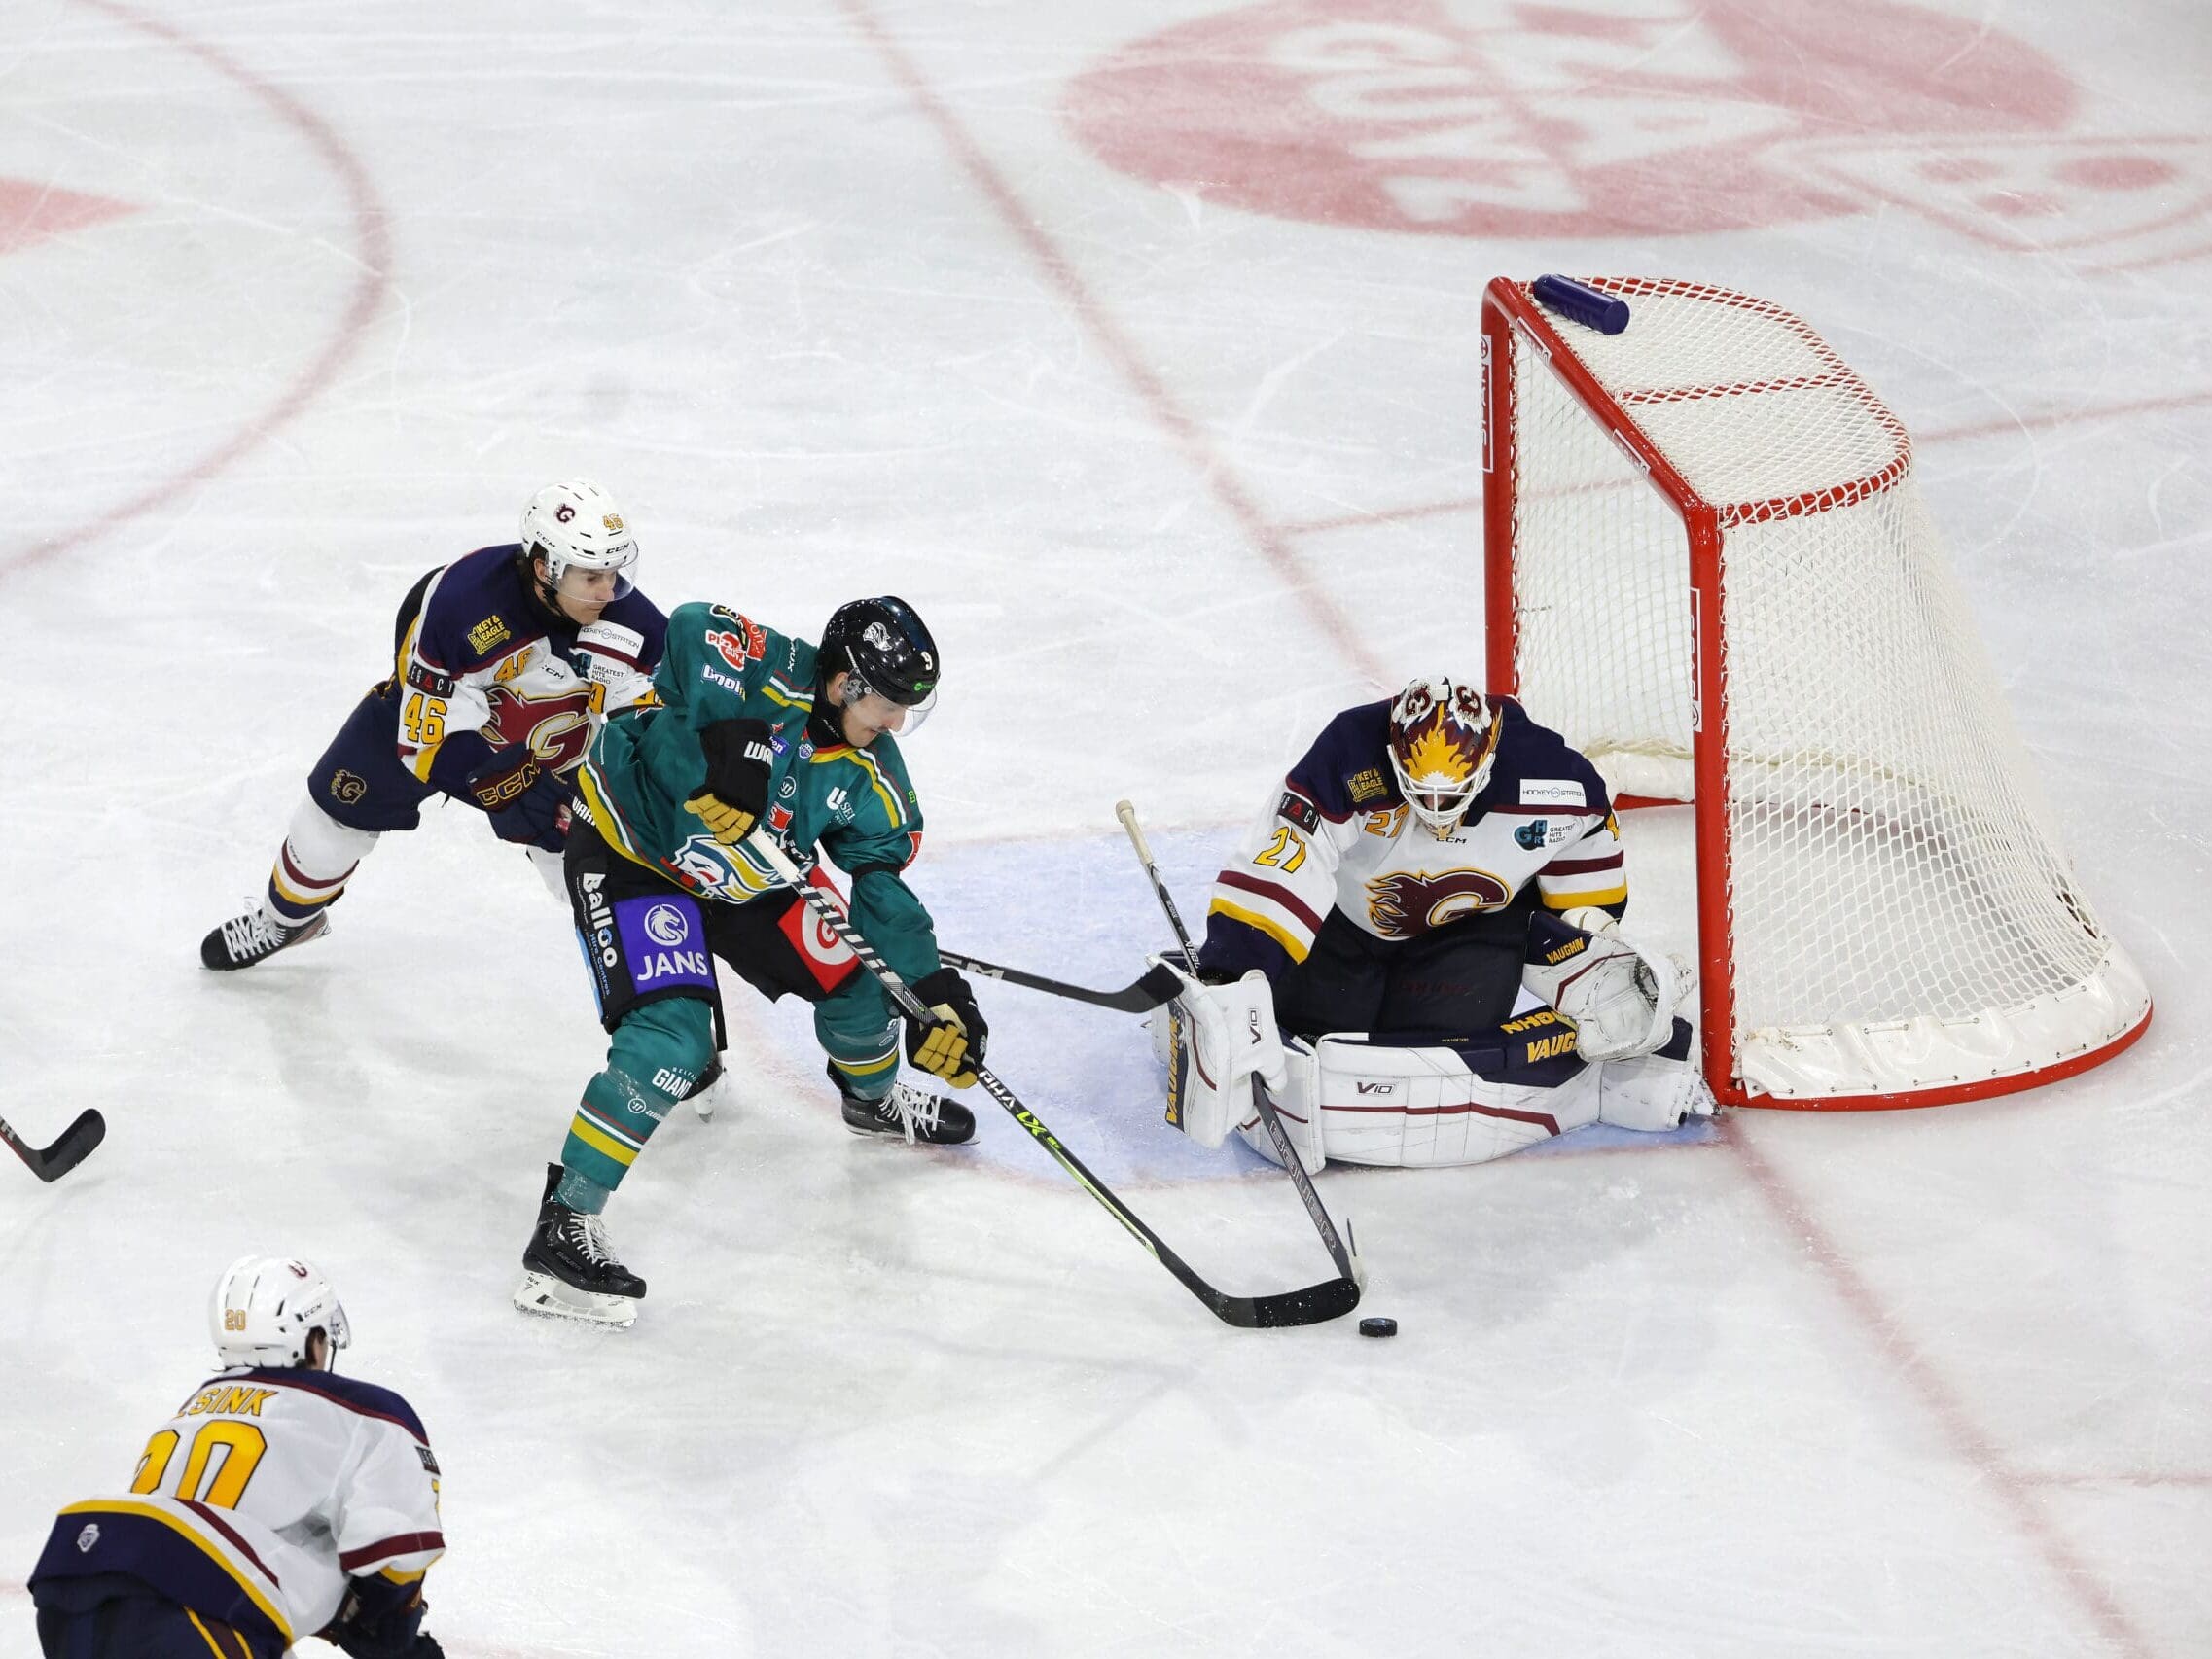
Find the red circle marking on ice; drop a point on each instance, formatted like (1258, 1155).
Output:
(1500, 119)
(372, 249)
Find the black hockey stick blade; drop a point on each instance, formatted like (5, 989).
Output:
(70, 1149)
(1140, 996)
(1331, 1298)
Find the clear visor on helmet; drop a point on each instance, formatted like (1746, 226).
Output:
(340, 1331)
(886, 712)
(572, 574)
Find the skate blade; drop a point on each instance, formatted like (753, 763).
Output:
(543, 1294)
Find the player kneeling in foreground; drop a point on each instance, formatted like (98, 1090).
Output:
(752, 727)
(503, 660)
(1428, 860)
(279, 1502)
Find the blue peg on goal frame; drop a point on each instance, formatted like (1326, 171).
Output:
(1580, 302)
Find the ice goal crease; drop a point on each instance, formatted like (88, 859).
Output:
(1710, 567)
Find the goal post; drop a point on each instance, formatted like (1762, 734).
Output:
(1709, 566)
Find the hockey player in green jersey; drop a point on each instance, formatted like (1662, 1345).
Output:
(754, 732)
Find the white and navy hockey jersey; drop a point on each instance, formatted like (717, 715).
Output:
(1340, 838)
(256, 1501)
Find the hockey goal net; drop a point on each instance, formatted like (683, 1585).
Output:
(1710, 568)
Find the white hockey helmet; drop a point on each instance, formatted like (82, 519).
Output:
(1443, 741)
(266, 1305)
(577, 523)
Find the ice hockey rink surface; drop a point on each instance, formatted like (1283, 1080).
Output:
(1137, 346)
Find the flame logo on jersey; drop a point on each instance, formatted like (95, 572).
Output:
(1404, 903)
(555, 729)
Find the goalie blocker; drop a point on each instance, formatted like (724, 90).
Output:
(1608, 1049)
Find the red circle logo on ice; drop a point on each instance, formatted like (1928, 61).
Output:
(1496, 117)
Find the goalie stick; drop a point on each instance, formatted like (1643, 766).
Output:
(1139, 995)
(70, 1149)
(1345, 1251)
(1329, 1299)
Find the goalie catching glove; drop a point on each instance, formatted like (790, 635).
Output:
(950, 1043)
(1621, 997)
(738, 760)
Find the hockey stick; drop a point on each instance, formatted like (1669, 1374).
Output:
(70, 1149)
(1327, 1300)
(1345, 1251)
(1141, 996)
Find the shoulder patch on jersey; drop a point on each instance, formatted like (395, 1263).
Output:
(1368, 784)
(1552, 791)
(740, 649)
(429, 1461)
(421, 677)
(1300, 811)
(488, 633)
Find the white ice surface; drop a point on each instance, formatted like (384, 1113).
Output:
(834, 296)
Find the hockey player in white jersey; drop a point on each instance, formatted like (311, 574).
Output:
(1430, 860)
(279, 1501)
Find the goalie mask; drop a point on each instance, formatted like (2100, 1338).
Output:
(1443, 741)
(266, 1305)
(577, 523)
(884, 647)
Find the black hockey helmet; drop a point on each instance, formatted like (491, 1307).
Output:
(887, 649)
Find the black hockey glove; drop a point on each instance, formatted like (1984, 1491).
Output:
(738, 760)
(950, 1043)
(504, 779)
(379, 1619)
(538, 817)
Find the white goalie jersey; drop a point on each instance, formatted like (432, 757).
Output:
(1340, 838)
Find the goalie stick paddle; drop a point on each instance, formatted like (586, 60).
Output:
(1329, 1299)
(70, 1149)
(1139, 995)
(1347, 1260)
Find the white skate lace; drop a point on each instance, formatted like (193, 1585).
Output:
(918, 1109)
(251, 935)
(588, 1233)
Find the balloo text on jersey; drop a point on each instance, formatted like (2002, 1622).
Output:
(256, 1502)
(1342, 837)
(856, 804)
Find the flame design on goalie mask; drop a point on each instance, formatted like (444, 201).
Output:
(1443, 741)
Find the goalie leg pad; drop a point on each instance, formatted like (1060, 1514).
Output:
(1293, 1109)
(1650, 1093)
(1419, 1108)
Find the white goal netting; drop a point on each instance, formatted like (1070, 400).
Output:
(1900, 919)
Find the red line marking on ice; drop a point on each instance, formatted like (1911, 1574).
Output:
(373, 247)
(2012, 1491)
(2196, 1477)
(1270, 542)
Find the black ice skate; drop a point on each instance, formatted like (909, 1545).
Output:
(914, 1112)
(568, 1272)
(256, 936)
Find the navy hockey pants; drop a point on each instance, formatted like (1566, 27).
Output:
(114, 1617)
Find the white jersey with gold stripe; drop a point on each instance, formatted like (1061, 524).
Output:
(1340, 837)
(256, 1501)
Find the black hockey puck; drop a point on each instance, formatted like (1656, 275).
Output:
(1379, 1325)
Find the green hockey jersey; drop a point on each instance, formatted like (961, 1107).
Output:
(855, 805)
